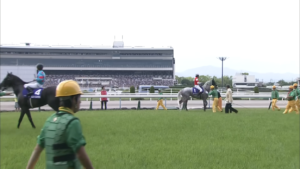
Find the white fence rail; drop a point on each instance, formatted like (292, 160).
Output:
(164, 96)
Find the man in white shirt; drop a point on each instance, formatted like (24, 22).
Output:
(229, 100)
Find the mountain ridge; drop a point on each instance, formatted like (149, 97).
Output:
(217, 71)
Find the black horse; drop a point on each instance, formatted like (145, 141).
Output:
(39, 98)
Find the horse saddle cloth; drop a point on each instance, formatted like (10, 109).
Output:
(196, 91)
(36, 93)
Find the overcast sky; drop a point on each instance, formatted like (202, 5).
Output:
(256, 35)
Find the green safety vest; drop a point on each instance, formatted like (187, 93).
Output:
(58, 154)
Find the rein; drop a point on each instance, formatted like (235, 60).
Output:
(29, 82)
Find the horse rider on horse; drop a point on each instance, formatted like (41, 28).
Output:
(196, 83)
(39, 81)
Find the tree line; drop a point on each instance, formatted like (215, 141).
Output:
(189, 81)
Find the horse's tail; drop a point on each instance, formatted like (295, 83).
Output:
(179, 98)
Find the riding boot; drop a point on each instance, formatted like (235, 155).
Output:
(30, 91)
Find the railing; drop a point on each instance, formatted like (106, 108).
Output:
(131, 95)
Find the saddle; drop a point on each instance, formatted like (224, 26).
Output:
(32, 93)
(196, 91)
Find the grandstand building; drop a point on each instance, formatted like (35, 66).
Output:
(243, 81)
(93, 67)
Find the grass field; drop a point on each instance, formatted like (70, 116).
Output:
(137, 139)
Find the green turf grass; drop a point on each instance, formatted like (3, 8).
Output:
(137, 139)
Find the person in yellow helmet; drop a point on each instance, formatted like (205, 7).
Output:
(297, 97)
(160, 101)
(291, 101)
(215, 97)
(275, 97)
(61, 135)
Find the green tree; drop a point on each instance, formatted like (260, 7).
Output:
(282, 83)
(185, 81)
(151, 89)
(256, 89)
(227, 80)
(132, 89)
(204, 79)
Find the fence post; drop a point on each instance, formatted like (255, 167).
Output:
(120, 102)
(91, 104)
(139, 105)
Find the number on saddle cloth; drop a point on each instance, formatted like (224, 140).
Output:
(36, 93)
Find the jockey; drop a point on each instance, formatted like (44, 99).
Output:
(40, 79)
(196, 83)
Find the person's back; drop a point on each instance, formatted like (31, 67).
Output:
(39, 81)
(229, 95)
(61, 135)
(65, 143)
(41, 77)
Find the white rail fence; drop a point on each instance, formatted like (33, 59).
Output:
(163, 96)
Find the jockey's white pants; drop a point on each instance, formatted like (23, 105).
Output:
(33, 85)
(198, 87)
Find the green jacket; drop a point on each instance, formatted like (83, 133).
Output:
(297, 93)
(292, 94)
(61, 136)
(160, 97)
(214, 93)
(275, 94)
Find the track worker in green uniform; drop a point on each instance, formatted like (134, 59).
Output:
(275, 97)
(214, 94)
(61, 136)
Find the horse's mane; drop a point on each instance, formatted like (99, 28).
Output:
(205, 84)
(17, 78)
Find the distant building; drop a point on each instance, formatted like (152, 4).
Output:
(244, 80)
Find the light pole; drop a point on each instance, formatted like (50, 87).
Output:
(222, 59)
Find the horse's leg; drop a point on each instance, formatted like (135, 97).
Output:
(180, 105)
(21, 116)
(29, 117)
(204, 104)
(186, 105)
